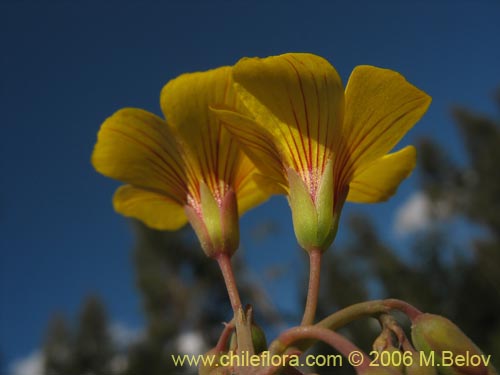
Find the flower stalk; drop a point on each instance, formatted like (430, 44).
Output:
(225, 336)
(409, 310)
(226, 268)
(242, 317)
(358, 311)
(297, 334)
(313, 289)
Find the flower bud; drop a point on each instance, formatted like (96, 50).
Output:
(453, 351)
(258, 339)
(217, 225)
(315, 221)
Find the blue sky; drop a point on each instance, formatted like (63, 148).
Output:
(66, 66)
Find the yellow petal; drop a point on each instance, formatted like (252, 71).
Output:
(137, 147)
(381, 106)
(155, 210)
(252, 188)
(298, 98)
(212, 153)
(257, 143)
(251, 196)
(381, 178)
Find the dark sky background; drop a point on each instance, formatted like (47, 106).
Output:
(67, 65)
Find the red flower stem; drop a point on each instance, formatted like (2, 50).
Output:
(242, 318)
(313, 290)
(335, 340)
(409, 310)
(368, 309)
(227, 272)
(361, 310)
(407, 346)
(225, 336)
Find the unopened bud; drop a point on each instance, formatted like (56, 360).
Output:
(454, 352)
(258, 339)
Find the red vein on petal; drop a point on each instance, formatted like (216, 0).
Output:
(368, 145)
(174, 179)
(290, 148)
(303, 169)
(204, 163)
(244, 176)
(230, 158)
(174, 166)
(161, 196)
(246, 137)
(327, 126)
(217, 174)
(318, 127)
(163, 175)
(192, 179)
(205, 157)
(308, 153)
(266, 144)
(228, 167)
(387, 127)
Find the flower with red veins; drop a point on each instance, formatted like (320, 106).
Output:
(319, 144)
(185, 168)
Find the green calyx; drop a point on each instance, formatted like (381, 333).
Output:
(217, 227)
(438, 336)
(258, 339)
(315, 222)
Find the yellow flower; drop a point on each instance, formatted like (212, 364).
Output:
(319, 144)
(186, 167)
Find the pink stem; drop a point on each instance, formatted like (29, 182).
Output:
(313, 290)
(411, 311)
(335, 340)
(224, 337)
(227, 272)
